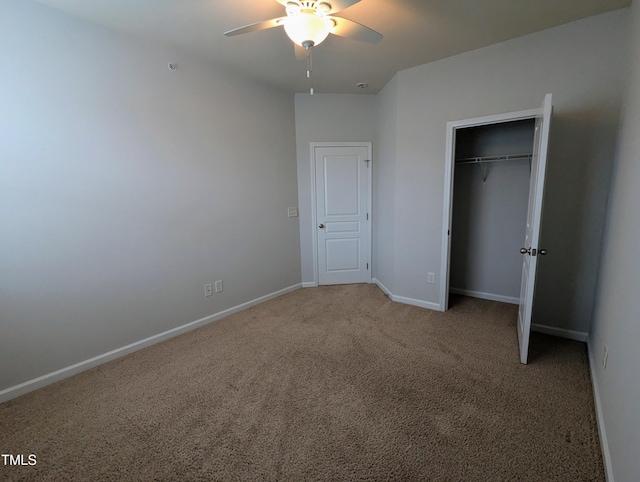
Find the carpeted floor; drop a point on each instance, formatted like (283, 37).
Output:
(329, 383)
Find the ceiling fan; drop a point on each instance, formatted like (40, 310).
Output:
(309, 22)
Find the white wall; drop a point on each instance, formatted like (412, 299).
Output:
(581, 64)
(384, 186)
(617, 315)
(326, 118)
(125, 187)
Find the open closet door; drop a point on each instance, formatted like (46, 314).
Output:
(531, 250)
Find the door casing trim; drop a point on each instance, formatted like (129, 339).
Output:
(449, 171)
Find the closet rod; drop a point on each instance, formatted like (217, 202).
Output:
(473, 160)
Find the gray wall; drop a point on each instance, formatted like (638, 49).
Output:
(581, 63)
(326, 118)
(489, 216)
(617, 315)
(384, 186)
(125, 187)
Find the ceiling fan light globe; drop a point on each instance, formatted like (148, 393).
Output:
(306, 28)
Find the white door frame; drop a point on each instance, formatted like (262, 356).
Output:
(452, 127)
(314, 238)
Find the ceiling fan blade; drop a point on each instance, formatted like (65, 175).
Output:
(274, 22)
(301, 52)
(350, 29)
(336, 5)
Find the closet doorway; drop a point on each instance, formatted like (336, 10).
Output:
(493, 202)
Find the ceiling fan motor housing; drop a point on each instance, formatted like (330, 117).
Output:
(308, 7)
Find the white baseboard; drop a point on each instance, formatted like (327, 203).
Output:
(606, 455)
(415, 302)
(49, 378)
(486, 296)
(309, 284)
(561, 332)
(381, 286)
(405, 300)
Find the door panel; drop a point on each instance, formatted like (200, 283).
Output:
(534, 219)
(343, 227)
(341, 185)
(342, 254)
(342, 214)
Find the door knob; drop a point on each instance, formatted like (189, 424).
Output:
(525, 250)
(321, 226)
(542, 252)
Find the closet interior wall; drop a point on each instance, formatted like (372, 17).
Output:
(490, 210)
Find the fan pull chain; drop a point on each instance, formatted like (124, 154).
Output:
(309, 66)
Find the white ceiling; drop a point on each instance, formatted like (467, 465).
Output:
(415, 32)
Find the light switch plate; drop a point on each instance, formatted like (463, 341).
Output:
(292, 212)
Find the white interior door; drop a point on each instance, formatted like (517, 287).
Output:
(531, 249)
(343, 182)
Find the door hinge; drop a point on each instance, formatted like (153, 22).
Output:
(367, 265)
(367, 216)
(367, 161)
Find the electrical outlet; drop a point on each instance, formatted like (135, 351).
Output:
(605, 357)
(292, 212)
(219, 286)
(431, 278)
(208, 290)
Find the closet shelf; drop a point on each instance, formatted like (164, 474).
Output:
(474, 160)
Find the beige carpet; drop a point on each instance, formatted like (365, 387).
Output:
(329, 383)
